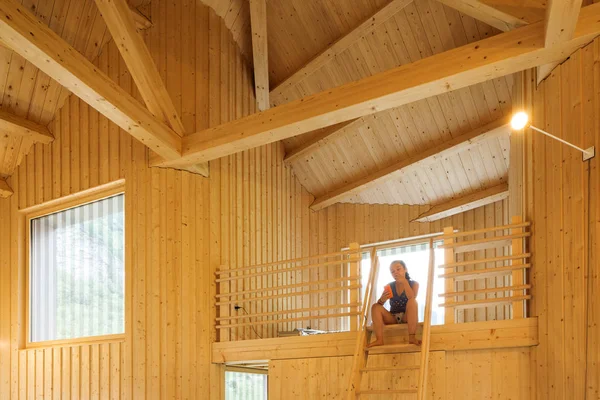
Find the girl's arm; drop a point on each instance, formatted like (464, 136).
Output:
(411, 292)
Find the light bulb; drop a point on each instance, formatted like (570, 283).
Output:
(519, 121)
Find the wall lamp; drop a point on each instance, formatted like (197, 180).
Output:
(521, 120)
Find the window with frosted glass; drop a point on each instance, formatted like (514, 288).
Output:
(77, 272)
(245, 385)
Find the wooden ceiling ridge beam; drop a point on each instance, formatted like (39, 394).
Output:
(5, 190)
(258, 24)
(370, 24)
(14, 125)
(38, 44)
(477, 62)
(465, 203)
(561, 19)
(325, 136)
(499, 127)
(485, 13)
(139, 61)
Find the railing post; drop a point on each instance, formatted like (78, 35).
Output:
(371, 299)
(223, 288)
(354, 270)
(518, 276)
(449, 285)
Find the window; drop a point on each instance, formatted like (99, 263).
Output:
(77, 271)
(245, 384)
(416, 257)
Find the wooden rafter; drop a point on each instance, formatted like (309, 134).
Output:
(561, 18)
(13, 125)
(42, 47)
(5, 190)
(338, 47)
(324, 136)
(258, 23)
(137, 57)
(477, 62)
(455, 145)
(141, 22)
(465, 203)
(485, 13)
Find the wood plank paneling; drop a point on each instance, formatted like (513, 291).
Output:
(476, 374)
(564, 208)
(166, 353)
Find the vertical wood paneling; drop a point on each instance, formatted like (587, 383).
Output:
(564, 209)
(171, 220)
(479, 374)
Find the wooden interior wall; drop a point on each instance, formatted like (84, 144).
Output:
(453, 375)
(183, 227)
(565, 210)
(170, 242)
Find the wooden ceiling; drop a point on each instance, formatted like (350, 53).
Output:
(422, 28)
(331, 43)
(29, 93)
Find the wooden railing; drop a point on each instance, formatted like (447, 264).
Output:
(478, 268)
(287, 294)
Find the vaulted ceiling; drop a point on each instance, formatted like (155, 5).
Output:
(314, 46)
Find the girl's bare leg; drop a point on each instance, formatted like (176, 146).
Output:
(412, 313)
(380, 317)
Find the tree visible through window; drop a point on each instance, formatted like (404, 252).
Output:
(245, 385)
(77, 272)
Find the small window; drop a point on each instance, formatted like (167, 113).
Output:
(77, 272)
(245, 384)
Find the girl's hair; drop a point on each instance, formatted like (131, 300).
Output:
(404, 265)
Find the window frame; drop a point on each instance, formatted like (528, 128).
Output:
(65, 203)
(245, 370)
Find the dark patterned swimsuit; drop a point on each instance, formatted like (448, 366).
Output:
(398, 301)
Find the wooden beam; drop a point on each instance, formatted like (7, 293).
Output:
(465, 203)
(324, 136)
(477, 62)
(455, 145)
(141, 22)
(5, 190)
(39, 45)
(121, 24)
(138, 59)
(529, 11)
(258, 23)
(561, 18)
(14, 125)
(370, 24)
(485, 13)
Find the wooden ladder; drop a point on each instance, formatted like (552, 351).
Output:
(361, 353)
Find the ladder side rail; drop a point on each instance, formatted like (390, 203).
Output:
(426, 342)
(359, 359)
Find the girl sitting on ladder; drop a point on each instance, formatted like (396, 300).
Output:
(402, 294)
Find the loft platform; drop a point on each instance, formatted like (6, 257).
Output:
(468, 336)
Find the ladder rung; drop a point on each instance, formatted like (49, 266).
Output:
(394, 348)
(385, 368)
(406, 391)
